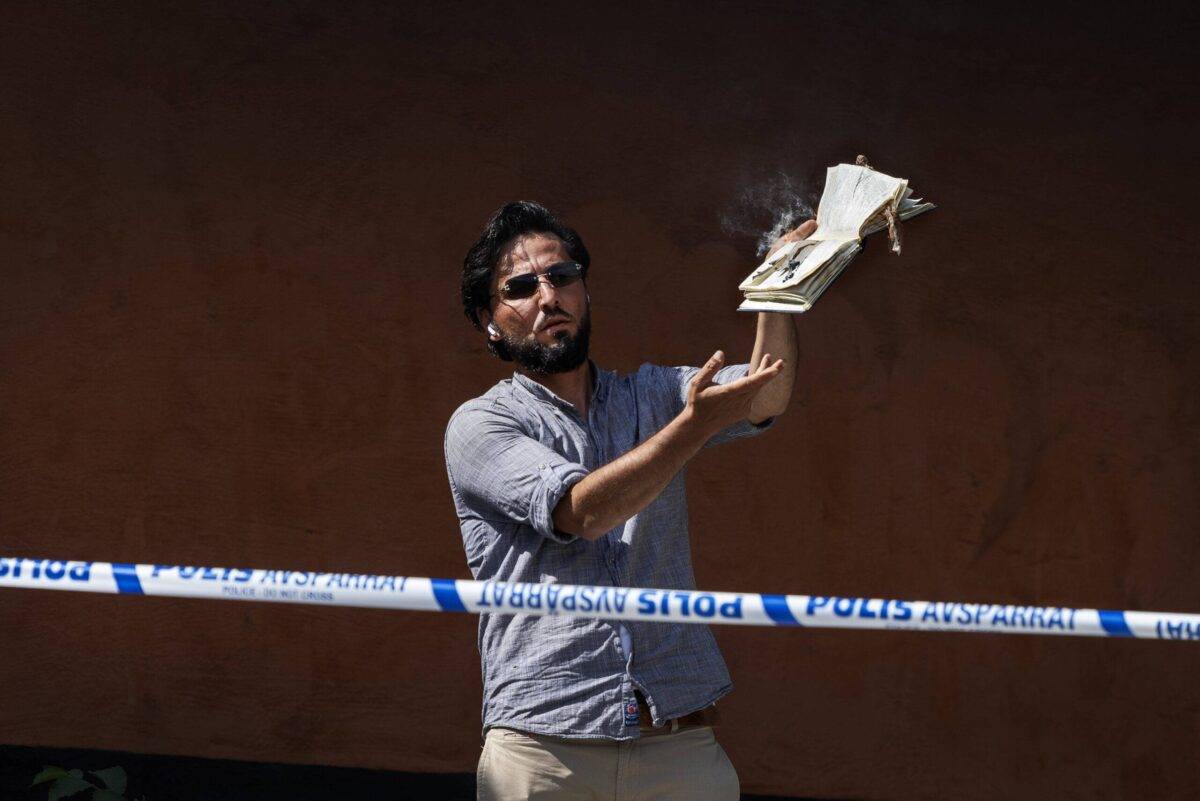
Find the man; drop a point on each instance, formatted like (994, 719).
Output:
(569, 473)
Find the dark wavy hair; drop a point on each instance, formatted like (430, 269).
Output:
(510, 221)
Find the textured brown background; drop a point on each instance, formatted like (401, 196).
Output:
(229, 334)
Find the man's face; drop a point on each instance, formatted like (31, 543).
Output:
(548, 331)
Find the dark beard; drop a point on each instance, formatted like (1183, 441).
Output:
(567, 352)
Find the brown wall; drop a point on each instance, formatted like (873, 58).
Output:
(229, 334)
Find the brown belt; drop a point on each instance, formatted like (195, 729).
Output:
(701, 717)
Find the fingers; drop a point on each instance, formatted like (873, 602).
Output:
(763, 372)
(710, 368)
(763, 362)
(752, 382)
(797, 234)
(805, 229)
(766, 373)
(800, 232)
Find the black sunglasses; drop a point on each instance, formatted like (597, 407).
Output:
(525, 286)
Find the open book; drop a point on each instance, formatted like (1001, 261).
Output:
(857, 201)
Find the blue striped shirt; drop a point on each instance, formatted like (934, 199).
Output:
(511, 454)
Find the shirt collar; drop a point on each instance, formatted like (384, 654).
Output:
(540, 392)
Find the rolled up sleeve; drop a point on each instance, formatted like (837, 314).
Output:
(501, 473)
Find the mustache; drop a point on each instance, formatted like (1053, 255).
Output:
(551, 319)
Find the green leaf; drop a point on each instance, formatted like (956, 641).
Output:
(49, 773)
(114, 778)
(68, 785)
(106, 795)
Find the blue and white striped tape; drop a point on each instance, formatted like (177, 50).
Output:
(610, 603)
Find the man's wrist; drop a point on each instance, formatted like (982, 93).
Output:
(693, 428)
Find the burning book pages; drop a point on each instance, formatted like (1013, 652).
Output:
(857, 201)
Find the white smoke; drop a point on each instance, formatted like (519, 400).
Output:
(777, 199)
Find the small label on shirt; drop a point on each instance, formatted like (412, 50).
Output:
(631, 712)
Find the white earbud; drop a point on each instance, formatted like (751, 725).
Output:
(493, 330)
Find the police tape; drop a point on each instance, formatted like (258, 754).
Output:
(609, 603)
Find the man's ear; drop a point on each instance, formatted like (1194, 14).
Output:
(485, 319)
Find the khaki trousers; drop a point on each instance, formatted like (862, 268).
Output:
(687, 765)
